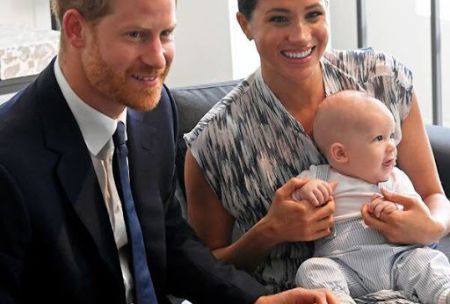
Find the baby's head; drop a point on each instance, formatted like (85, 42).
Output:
(355, 133)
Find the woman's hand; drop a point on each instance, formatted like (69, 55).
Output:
(315, 191)
(414, 224)
(287, 220)
(300, 296)
(292, 221)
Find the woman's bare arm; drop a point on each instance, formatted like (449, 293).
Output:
(286, 220)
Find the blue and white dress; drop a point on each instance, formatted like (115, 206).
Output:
(248, 145)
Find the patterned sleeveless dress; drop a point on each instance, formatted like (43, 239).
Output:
(248, 145)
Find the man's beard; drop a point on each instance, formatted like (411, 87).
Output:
(116, 87)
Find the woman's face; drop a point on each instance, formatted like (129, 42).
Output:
(290, 35)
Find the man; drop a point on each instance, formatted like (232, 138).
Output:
(65, 237)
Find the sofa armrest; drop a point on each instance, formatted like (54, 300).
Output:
(440, 143)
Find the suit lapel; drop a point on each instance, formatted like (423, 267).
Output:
(74, 169)
(140, 137)
(145, 184)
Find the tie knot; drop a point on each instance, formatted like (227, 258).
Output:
(119, 135)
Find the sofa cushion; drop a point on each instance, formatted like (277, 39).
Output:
(440, 143)
(192, 103)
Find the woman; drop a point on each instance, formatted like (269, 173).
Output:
(245, 152)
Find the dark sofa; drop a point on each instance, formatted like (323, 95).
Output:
(194, 101)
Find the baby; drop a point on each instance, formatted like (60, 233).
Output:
(355, 132)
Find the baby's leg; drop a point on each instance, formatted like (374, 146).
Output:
(324, 273)
(424, 272)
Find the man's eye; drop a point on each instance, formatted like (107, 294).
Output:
(167, 34)
(137, 35)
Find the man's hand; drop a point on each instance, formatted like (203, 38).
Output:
(300, 296)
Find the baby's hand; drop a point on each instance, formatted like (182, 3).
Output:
(379, 205)
(316, 191)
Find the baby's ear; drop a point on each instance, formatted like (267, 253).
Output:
(337, 153)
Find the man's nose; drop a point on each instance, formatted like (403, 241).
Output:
(153, 54)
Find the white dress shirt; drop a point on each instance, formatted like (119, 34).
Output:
(97, 130)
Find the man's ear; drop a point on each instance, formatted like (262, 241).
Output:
(243, 22)
(338, 153)
(74, 27)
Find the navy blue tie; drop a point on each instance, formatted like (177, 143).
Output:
(143, 285)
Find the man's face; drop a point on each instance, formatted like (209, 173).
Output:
(128, 54)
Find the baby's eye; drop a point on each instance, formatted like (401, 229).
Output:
(379, 138)
(391, 136)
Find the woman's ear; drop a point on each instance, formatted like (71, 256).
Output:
(338, 153)
(245, 25)
(74, 27)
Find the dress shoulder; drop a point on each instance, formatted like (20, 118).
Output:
(219, 112)
(365, 64)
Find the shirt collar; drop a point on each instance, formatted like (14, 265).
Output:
(97, 128)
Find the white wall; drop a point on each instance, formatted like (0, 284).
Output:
(403, 32)
(446, 70)
(27, 13)
(211, 46)
(408, 39)
(343, 24)
(244, 56)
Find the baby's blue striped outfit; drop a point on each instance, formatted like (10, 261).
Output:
(357, 260)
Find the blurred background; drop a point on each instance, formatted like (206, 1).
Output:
(210, 45)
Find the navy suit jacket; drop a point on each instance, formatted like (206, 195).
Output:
(56, 242)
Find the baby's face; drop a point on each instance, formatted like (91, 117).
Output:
(371, 149)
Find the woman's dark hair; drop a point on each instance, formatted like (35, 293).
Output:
(246, 7)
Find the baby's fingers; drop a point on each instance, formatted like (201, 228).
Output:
(376, 200)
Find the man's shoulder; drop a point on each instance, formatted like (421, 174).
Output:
(43, 87)
(21, 123)
(15, 112)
